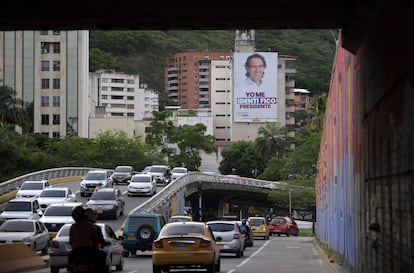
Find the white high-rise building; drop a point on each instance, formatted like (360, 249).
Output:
(49, 71)
(116, 94)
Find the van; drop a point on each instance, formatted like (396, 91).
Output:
(140, 230)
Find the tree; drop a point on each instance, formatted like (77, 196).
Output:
(317, 113)
(190, 141)
(160, 131)
(242, 159)
(272, 141)
(12, 110)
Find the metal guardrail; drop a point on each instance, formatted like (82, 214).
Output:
(14, 183)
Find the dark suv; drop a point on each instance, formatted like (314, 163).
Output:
(140, 231)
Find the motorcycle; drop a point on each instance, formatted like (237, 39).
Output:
(86, 260)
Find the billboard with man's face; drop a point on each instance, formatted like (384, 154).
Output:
(255, 87)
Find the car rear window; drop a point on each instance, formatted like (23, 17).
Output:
(135, 222)
(183, 230)
(278, 220)
(59, 211)
(222, 227)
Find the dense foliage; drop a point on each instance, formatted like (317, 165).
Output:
(146, 52)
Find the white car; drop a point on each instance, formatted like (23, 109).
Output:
(55, 195)
(178, 172)
(32, 188)
(58, 214)
(160, 173)
(142, 184)
(30, 232)
(21, 208)
(232, 240)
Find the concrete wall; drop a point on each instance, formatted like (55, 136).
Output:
(365, 182)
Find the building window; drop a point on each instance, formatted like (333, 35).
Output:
(56, 135)
(45, 47)
(56, 119)
(56, 83)
(44, 32)
(56, 101)
(114, 88)
(56, 65)
(104, 88)
(130, 98)
(129, 89)
(45, 65)
(117, 80)
(56, 32)
(56, 47)
(131, 115)
(45, 101)
(45, 83)
(45, 119)
(131, 81)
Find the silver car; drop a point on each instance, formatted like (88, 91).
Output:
(60, 249)
(229, 237)
(21, 208)
(30, 232)
(55, 195)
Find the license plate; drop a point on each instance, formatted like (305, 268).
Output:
(91, 190)
(180, 246)
(137, 190)
(119, 179)
(99, 211)
(220, 246)
(81, 268)
(132, 237)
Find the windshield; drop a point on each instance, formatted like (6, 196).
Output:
(179, 170)
(95, 176)
(32, 186)
(101, 195)
(145, 179)
(58, 211)
(158, 169)
(53, 193)
(17, 226)
(18, 206)
(122, 169)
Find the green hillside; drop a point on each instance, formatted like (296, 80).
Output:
(146, 52)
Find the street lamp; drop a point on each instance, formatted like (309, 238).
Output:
(290, 202)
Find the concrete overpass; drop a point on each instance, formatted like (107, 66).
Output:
(364, 187)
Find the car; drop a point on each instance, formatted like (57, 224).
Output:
(231, 239)
(283, 225)
(107, 203)
(58, 214)
(21, 208)
(180, 218)
(146, 169)
(30, 232)
(142, 184)
(140, 231)
(249, 237)
(95, 179)
(259, 226)
(122, 174)
(177, 172)
(55, 195)
(160, 173)
(189, 245)
(32, 188)
(60, 249)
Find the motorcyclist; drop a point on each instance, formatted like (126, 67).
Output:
(83, 238)
(101, 254)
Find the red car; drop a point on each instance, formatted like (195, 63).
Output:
(283, 225)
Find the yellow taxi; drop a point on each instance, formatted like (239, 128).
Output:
(189, 245)
(259, 226)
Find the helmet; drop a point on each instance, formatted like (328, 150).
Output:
(78, 214)
(90, 215)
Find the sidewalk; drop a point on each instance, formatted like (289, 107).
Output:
(333, 266)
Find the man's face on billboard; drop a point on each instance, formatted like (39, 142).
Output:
(255, 69)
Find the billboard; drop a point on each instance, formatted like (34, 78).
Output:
(255, 86)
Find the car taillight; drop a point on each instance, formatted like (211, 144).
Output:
(54, 244)
(205, 243)
(158, 244)
(236, 235)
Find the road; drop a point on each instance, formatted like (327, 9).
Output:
(278, 254)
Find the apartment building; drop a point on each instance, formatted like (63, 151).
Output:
(49, 71)
(187, 78)
(116, 94)
(303, 101)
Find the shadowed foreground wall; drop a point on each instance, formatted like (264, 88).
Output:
(365, 183)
